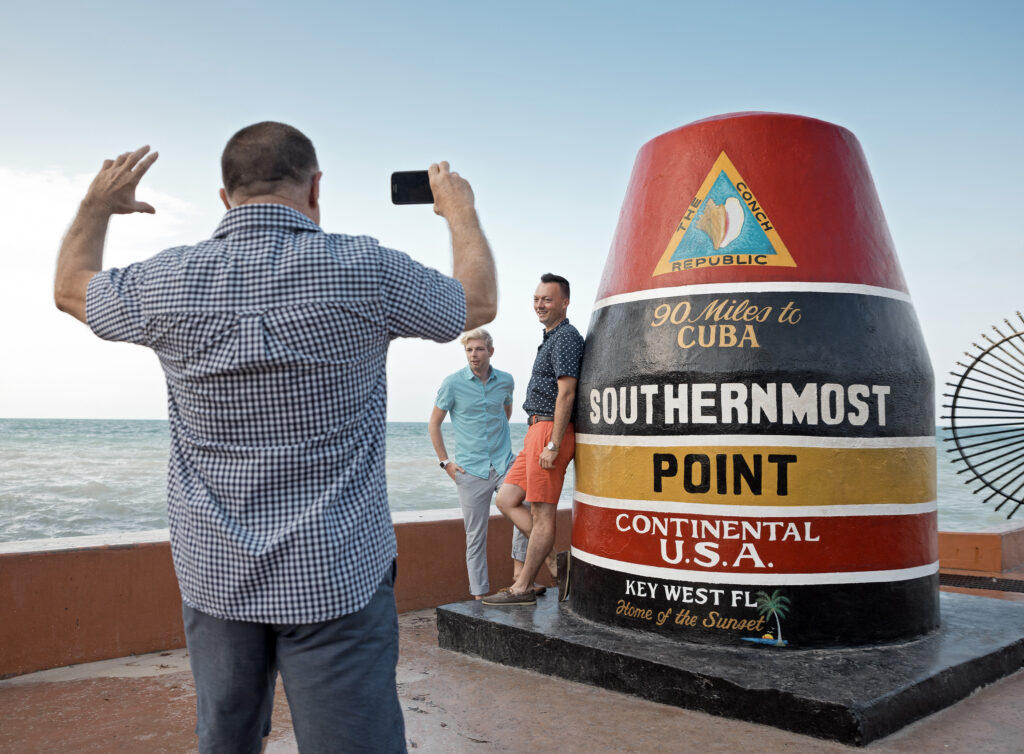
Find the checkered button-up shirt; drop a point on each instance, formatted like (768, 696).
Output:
(273, 337)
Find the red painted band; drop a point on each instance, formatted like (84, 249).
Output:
(839, 544)
(809, 176)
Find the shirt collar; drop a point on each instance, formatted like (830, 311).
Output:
(259, 216)
(467, 372)
(556, 328)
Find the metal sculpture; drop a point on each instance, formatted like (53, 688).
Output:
(986, 417)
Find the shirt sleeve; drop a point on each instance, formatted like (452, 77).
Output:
(511, 387)
(567, 355)
(445, 396)
(113, 307)
(419, 301)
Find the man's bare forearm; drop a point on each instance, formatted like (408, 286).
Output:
(112, 192)
(563, 410)
(437, 440)
(472, 263)
(473, 266)
(81, 257)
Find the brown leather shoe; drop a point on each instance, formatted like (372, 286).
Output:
(511, 598)
(538, 589)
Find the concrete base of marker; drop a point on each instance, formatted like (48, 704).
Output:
(854, 696)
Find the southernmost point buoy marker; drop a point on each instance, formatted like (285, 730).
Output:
(755, 453)
(754, 520)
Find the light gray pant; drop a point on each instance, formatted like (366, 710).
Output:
(475, 498)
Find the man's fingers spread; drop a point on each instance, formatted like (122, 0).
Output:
(145, 164)
(107, 164)
(135, 156)
(149, 209)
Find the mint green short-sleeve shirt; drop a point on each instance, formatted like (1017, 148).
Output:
(477, 410)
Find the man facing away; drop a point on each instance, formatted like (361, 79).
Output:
(538, 472)
(479, 398)
(273, 336)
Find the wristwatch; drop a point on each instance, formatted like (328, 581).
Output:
(445, 462)
(551, 446)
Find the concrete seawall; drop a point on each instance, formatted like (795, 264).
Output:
(82, 599)
(989, 552)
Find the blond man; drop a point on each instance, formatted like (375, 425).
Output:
(479, 399)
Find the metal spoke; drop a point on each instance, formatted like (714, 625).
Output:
(976, 399)
(989, 395)
(999, 491)
(973, 390)
(981, 453)
(1018, 433)
(964, 430)
(976, 467)
(992, 352)
(994, 377)
(1002, 347)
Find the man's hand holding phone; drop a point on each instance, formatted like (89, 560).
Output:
(449, 192)
(453, 196)
(472, 263)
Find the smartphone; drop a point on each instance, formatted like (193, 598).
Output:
(411, 187)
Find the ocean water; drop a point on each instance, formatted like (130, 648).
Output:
(67, 477)
(70, 477)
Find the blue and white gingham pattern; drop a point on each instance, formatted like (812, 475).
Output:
(273, 337)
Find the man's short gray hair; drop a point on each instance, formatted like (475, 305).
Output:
(478, 334)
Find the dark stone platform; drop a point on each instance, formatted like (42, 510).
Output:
(850, 695)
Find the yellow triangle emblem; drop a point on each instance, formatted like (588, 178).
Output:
(724, 226)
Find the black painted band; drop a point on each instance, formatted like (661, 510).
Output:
(808, 616)
(857, 361)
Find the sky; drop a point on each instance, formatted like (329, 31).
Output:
(541, 105)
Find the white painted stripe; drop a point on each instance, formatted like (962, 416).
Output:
(763, 287)
(759, 511)
(753, 441)
(770, 579)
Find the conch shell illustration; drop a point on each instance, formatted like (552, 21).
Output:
(722, 222)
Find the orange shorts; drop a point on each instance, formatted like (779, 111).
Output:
(541, 485)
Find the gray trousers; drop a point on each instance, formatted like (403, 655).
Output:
(475, 498)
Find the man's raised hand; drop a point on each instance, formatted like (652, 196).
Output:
(472, 262)
(112, 192)
(113, 189)
(452, 192)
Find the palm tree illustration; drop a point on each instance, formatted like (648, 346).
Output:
(774, 606)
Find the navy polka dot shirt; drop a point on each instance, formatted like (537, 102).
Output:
(559, 355)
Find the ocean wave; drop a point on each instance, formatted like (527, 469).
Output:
(77, 477)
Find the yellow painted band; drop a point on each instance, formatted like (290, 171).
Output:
(787, 475)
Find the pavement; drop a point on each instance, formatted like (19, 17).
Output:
(453, 703)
